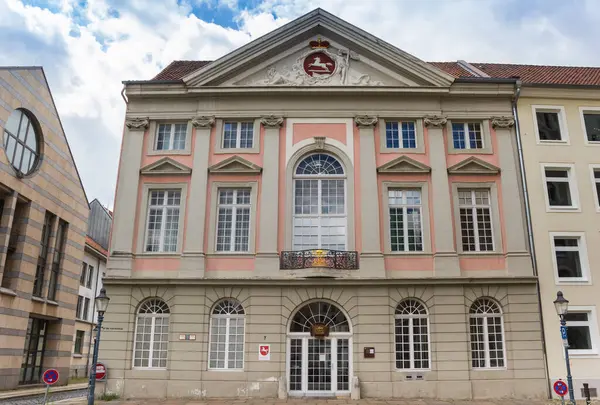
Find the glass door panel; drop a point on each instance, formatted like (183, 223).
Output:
(319, 365)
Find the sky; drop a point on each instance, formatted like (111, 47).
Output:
(88, 47)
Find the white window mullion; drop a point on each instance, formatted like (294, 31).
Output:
(226, 365)
(238, 135)
(151, 351)
(486, 340)
(334, 365)
(411, 349)
(163, 225)
(319, 213)
(233, 221)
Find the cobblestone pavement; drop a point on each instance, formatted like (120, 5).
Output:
(39, 399)
(313, 401)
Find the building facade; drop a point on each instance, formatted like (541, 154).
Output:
(42, 232)
(320, 213)
(559, 120)
(93, 269)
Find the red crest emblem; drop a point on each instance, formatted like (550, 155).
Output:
(319, 64)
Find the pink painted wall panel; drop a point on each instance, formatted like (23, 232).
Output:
(308, 131)
(407, 263)
(482, 263)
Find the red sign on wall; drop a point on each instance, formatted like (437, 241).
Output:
(100, 372)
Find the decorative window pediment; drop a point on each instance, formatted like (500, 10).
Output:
(235, 164)
(404, 164)
(165, 166)
(473, 165)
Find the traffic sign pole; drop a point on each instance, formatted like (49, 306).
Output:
(49, 377)
(46, 394)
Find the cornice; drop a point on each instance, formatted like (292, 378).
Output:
(137, 124)
(503, 122)
(203, 121)
(366, 121)
(271, 121)
(436, 121)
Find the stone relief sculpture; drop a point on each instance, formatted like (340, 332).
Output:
(341, 73)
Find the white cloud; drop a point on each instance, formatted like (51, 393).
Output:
(87, 53)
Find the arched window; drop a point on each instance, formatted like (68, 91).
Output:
(319, 203)
(151, 334)
(22, 141)
(226, 350)
(487, 334)
(319, 312)
(412, 335)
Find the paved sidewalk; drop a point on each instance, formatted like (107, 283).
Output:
(25, 392)
(314, 401)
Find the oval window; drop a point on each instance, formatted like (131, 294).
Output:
(22, 142)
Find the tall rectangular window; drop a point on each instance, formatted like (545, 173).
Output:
(559, 187)
(467, 135)
(475, 212)
(548, 123)
(400, 134)
(83, 276)
(582, 330)
(33, 354)
(171, 137)
(233, 220)
(90, 277)
(406, 232)
(596, 173)
(162, 228)
(86, 309)
(238, 135)
(59, 248)
(79, 336)
(79, 307)
(592, 126)
(570, 257)
(38, 282)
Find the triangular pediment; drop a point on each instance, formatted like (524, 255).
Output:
(348, 56)
(165, 166)
(235, 165)
(404, 164)
(473, 165)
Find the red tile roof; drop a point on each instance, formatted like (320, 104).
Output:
(178, 69)
(95, 245)
(529, 74)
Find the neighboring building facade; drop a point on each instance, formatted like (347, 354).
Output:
(559, 116)
(320, 213)
(93, 269)
(42, 231)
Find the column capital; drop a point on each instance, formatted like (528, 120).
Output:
(137, 124)
(202, 121)
(503, 122)
(271, 121)
(437, 121)
(365, 121)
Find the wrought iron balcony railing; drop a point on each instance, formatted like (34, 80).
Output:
(318, 258)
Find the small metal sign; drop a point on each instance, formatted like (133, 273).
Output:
(50, 376)
(264, 352)
(100, 372)
(560, 387)
(319, 330)
(563, 332)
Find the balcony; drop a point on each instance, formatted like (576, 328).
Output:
(318, 258)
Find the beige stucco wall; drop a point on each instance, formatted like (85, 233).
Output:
(585, 220)
(370, 308)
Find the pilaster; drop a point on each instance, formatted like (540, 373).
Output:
(126, 199)
(518, 261)
(371, 255)
(192, 263)
(445, 258)
(267, 258)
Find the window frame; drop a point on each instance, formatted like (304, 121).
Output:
(228, 317)
(219, 138)
(44, 254)
(586, 276)
(492, 188)
(86, 308)
(234, 215)
(152, 333)
(60, 243)
(571, 179)
(90, 276)
(419, 138)
(37, 131)
(485, 317)
(594, 180)
(81, 342)
(426, 316)
(423, 186)
(153, 137)
(486, 137)
(83, 276)
(592, 322)
(562, 123)
(143, 217)
(214, 199)
(79, 307)
(582, 111)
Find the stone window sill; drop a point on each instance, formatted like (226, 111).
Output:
(8, 291)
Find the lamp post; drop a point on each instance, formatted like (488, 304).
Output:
(101, 305)
(562, 308)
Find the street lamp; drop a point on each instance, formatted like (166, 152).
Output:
(101, 305)
(562, 308)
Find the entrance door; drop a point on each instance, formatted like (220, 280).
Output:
(319, 365)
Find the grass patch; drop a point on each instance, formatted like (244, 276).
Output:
(108, 396)
(78, 380)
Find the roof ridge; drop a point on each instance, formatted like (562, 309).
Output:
(533, 64)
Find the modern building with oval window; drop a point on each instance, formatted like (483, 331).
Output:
(319, 213)
(43, 224)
